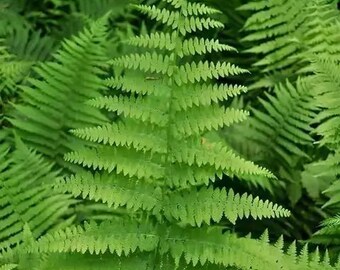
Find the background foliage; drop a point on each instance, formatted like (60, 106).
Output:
(169, 134)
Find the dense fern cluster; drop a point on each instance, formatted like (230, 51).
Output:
(133, 137)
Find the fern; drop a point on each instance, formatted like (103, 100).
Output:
(11, 71)
(326, 83)
(275, 21)
(31, 46)
(278, 136)
(287, 32)
(325, 65)
(282, 130)
(164, 178)
(189, 247)
(27, 196)
(61, 92)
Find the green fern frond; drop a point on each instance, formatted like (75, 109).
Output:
(195, 247)
(12, 71)
(61, 92)
(190, 8)
(148, 62)
(284, 128)
(31, 46)
(190, 46)
(197, 120)
(328, 234)
(152, 108)
(192, 207)
(185, 24)
(285, 34)
(206, 205)
(156, 163)
(204, 71)
(141, 261)
(26, 195)
(122, 160)
(327, 83)
(205, 95)
(135, 108)
(321, 35)
(120, 134)
(133, 82)
(114, 191)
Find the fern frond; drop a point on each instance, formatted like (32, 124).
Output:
(151, 110)
(12, 71)
(61, 92)
(160, 157)
(205, 94)
(154, 40)
(26, 196)
(122, 160)
(188, 47)
(202, 46)
(190, 8)
(121, 238)
(148, 62)
(114, 191)
(196, 247)
(186, 24)
(204, 71)
(206, 205)
(200, 119)
(31, 46)
(328, 234)
(139, 84)
(327, 83)
(282, 132)
(131, 134)
(141, 261)
(285, 34)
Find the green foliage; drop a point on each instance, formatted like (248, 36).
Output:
(27, 196)
(165, 165)
(282, 33)
(164, 177)
(282, 127)
(55, 103)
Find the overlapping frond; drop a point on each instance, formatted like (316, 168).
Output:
(284, 129)
(31, 46)
(12, 71)
(207, 204)
(327, 84)
(190, 207)
(285, 34)
(116, 191)
(181, 20)
(191, 46)
(192, 248)
(26, 195)
(61, 93)
(272, 24)
(329, 233)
